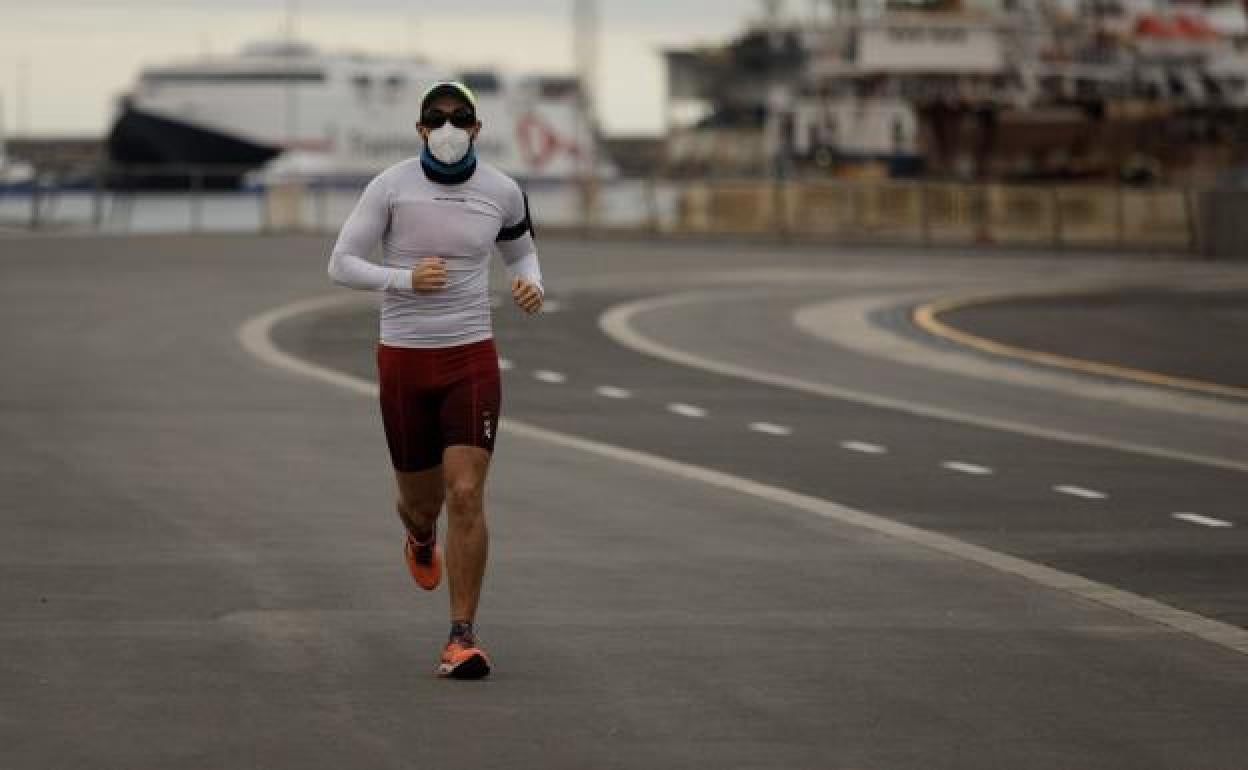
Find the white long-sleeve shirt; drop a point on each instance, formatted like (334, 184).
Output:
(412, 217)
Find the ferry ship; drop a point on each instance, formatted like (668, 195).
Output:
(1136, 90)
(286, 109)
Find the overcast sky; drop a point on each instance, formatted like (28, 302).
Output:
(80, 54)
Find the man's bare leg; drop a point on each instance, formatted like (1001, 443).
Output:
(467, 540)
(420, 501)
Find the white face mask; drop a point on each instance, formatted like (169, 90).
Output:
(449, 144)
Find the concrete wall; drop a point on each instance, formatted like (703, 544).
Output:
(1224, 224)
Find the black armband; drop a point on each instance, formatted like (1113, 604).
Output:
(518, 230)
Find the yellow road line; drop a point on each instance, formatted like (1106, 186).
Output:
(925, 316)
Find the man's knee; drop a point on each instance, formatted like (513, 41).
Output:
(465, 498)
(419, 509)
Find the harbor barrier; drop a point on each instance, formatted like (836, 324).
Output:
(943, 213)
(194, 199)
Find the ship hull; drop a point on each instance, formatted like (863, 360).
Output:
(151, 151)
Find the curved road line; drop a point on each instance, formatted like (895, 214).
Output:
(848, 323)
(925, 316)
(255, 336)
(617, 323)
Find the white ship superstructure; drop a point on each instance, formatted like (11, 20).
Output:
(295, 110)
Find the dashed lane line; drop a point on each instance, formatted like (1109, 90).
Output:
(687, 410)
(255, 337)
(774, 429)
(864, 447)
(618, 324)
(968, 468)
(1204, 521)
(610, 391)
(554, 378)
(1084, 492)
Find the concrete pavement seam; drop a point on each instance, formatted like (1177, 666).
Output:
(254, 335)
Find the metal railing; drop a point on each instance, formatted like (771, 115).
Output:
(193, 199)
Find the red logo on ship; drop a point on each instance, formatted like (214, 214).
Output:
(539, 144)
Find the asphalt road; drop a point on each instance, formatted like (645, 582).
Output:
(1002, 495)
(201, 568)
(1195, 334)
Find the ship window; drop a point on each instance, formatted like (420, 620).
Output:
(481, 82)
(363, 85)
(394, 86)
(557, 87)
(155, 78)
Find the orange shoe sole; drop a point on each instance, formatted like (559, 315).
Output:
(471, 663)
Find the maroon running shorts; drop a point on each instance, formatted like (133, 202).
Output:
(433, 398)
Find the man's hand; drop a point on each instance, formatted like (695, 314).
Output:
(429, 274)
(527, 296)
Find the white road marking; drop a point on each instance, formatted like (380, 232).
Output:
(255, 337)
(545, 375)
(687, 410)
(864, 447)
(1206, 521)
(771, 428)
(505, 365)
(1087, 494)
(617, 323)
(971, 468)
(851, 322)
(610, 391)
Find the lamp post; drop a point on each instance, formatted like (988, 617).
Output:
(290, 97)
(22, 109)
(585, 55)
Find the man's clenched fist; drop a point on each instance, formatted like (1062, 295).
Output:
(527, 296)
(429, 274)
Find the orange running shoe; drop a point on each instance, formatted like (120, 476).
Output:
(424, 561)
(462, 659)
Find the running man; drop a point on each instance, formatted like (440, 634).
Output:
(437, 218)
